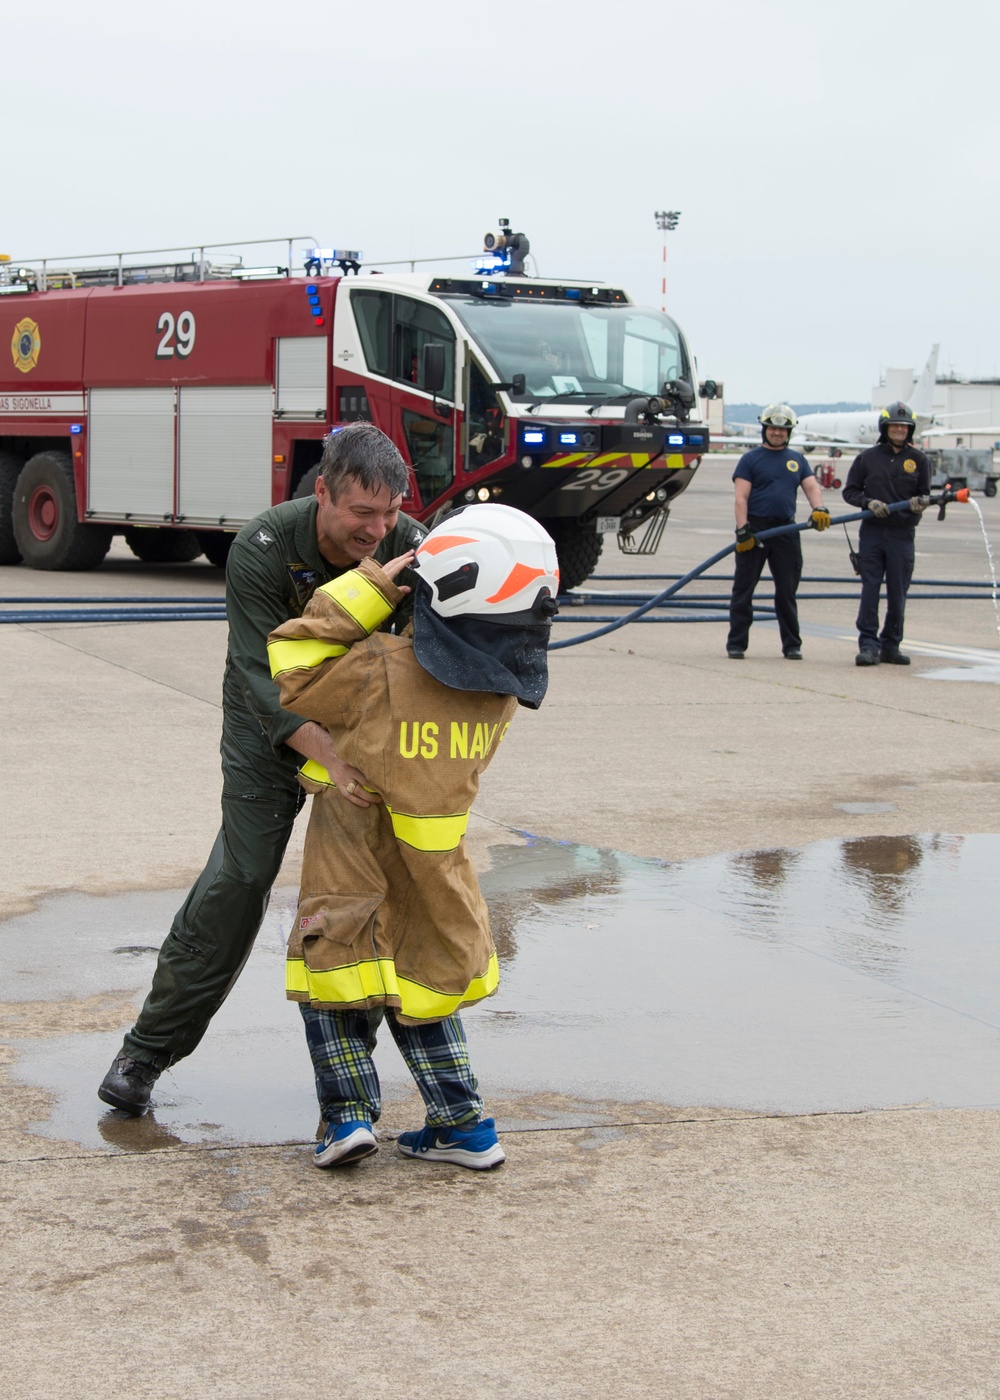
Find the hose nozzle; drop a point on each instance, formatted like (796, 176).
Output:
(949, 495)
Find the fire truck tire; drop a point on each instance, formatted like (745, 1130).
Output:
(162, 545)
(46, 529)
(578, 551)
(215, 545)
(990, 489)
(10, 468)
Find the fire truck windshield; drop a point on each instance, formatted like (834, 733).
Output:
(573, 351)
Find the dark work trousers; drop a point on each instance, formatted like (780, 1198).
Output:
(783, 557)
(885, 551)
(215, 928)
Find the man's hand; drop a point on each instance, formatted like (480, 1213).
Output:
(879, 509)
(918, 504)
(313, 741)
(744, 539)
(820, 518)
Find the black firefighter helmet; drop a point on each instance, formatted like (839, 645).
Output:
(897, 412)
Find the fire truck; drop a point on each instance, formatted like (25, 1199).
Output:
(173, 401)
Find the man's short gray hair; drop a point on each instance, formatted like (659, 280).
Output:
(363, 453)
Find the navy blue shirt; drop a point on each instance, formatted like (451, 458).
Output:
(774, 476)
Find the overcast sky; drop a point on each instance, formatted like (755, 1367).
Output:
(835, 164)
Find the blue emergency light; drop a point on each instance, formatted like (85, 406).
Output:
(569, 439)
(675, 439)
(76, 427)
(533, 436)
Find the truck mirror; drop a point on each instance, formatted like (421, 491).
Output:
(708, 390)
(432, 367)
(518, 383)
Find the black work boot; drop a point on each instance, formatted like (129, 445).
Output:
(867, 656)
(128, 1085)
(892, 656)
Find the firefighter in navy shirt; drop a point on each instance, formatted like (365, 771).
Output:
(767, 480)
(892, 470)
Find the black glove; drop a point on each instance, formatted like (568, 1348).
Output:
(918, 504)
(820, 518)
(879, 509)
(744, 539)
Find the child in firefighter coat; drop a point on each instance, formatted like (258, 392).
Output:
(390, 921)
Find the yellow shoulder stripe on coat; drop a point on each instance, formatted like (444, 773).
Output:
(300, 654)
(359, 598)
(429, 833)
(376, 981)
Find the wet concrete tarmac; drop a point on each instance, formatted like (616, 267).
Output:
(843, 975)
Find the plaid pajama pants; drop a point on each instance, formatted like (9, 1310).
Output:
(341, 1045)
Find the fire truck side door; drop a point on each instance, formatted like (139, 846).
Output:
(392, 330)
(424, 423)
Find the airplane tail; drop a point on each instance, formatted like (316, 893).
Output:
(922, 401)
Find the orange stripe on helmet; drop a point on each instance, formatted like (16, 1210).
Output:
(436, 544)
(519, 577)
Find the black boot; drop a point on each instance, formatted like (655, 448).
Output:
(867, 656)
(128, 1085)
(892, 656)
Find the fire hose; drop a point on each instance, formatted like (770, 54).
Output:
(942, 501)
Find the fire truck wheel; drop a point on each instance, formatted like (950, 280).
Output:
(990, 489)
(215, 545)
(46, 529)
(10, 468)
(162, 545)
(578, 551)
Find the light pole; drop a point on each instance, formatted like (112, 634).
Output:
(666, 221)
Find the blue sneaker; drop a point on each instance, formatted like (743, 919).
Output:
(476, 1147)
(344, 1143)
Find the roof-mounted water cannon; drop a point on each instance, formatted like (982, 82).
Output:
(347, 259)
(503, 252)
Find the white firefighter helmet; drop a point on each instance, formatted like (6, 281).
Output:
(489, 561)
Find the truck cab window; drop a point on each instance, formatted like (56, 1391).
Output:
(416, 324)
(432, 452)
(486, 423)
(373, 314)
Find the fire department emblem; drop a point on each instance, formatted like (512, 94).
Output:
(25, 345)
(909, 465)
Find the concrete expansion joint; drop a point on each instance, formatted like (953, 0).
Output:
(234, 1149)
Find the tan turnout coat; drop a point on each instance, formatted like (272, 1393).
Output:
(390, 912)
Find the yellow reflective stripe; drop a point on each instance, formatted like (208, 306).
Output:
(364, 981)
(429, 833)
(300, 654)
(569, 459)
(359, 598)
(316, 771)
(675, 461)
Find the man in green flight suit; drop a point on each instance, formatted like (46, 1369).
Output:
(274, 566)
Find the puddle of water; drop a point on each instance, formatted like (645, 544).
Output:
(989, 673)
(865, 809)
(847, 974)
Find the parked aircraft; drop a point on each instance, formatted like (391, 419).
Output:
(860, 427)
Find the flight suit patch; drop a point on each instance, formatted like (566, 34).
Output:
(304, 581)
(263, 539)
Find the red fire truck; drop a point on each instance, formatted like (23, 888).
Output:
(172, 403)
